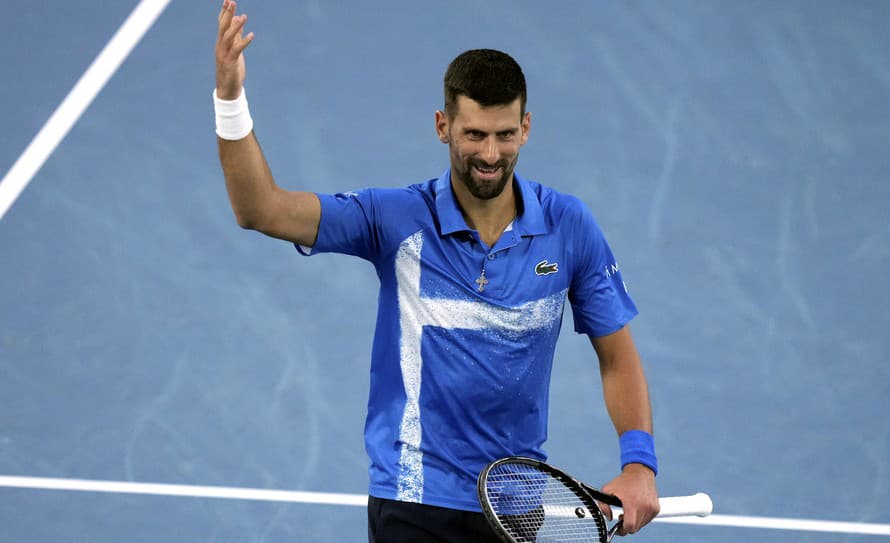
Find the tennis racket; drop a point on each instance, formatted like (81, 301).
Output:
(527, 501)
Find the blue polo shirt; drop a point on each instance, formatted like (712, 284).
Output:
(465, 335)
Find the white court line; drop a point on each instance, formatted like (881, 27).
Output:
(776, 523)
(78, 100)
(328, 498)
(155, 489)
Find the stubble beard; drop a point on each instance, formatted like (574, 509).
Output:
(485, 189)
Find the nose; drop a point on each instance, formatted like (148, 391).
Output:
(490, 152)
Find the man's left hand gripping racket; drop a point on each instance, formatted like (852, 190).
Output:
(527, 501)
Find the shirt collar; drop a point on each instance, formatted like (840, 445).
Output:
(529, 222)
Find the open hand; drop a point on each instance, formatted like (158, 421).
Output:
(230, 45)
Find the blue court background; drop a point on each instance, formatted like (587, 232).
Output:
(735, 153)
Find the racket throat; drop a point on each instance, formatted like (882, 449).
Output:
(613, 530)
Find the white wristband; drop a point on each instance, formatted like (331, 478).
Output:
(233, 121)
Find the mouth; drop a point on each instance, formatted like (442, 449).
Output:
(487, 172)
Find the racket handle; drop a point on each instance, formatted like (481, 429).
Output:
(699, 505)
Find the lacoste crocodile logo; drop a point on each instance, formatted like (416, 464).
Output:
(545, 268)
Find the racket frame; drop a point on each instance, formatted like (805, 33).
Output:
(588, 495)
(699, 504)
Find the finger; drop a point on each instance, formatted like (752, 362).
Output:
(235, 28)
(639, 516)
(240, 43)
(239, 46)
(628, 525)
(622, 527)
(225, 16)
(247, 39)
(607, 511)
(634, 521)
(229, 45)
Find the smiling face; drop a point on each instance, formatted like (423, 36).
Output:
(483, 144)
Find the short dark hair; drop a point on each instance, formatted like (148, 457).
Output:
(487, 76)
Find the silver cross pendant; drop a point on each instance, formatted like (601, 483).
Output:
(482, 281)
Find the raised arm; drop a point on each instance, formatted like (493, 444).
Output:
(627, 401)
(258, 202)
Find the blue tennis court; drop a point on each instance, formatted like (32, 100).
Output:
(735, 153)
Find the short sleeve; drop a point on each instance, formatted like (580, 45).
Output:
(600, 301)
(347, 225)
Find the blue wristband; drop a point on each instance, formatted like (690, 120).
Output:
(638, 447)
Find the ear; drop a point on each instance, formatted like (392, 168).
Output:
(442, 126)
(526, 127)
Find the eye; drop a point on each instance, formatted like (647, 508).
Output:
(507, 135)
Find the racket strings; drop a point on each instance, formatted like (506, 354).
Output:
(533, 506)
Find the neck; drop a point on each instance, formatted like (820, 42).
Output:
(488, 217)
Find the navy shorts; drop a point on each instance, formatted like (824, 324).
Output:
(391, 521)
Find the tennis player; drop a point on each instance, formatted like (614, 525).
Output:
(475, 266)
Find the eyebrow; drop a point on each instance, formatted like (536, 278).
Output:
(469, 130)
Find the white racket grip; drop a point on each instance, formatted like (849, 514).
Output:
(699, 505)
